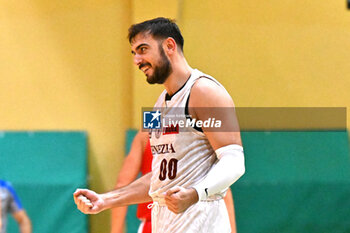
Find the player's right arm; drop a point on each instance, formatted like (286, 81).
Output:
(89, 202)
(132, 163)
(128, 173)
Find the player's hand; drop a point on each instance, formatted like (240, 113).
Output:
(88, 201)
(178, 199)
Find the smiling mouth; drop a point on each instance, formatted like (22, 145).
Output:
(145, 70)
(144, 67)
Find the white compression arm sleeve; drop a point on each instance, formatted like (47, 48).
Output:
(228, 170)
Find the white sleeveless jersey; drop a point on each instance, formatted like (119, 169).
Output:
(179, 158)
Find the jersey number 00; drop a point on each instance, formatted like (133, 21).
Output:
(170, 168)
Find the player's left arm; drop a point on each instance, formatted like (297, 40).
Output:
(209, 100)
(23, 221)
(17, 211)
(230, 206)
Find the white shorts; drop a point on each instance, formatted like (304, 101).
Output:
(202, 217)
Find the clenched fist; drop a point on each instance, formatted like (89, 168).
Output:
(88, 201)
(178, 199)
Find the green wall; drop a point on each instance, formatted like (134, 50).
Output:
(294, 182)
(45, 168)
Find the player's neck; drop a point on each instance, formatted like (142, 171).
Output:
(181, 73)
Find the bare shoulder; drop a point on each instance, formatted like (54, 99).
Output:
(207, 93)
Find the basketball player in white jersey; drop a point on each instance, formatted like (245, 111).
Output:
(192, 166)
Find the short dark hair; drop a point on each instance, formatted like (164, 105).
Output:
(159, 28)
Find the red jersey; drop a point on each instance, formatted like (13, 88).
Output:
(146, 166)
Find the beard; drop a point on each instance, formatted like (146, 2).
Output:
(161, 71)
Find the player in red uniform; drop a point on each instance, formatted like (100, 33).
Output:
(138, 160)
